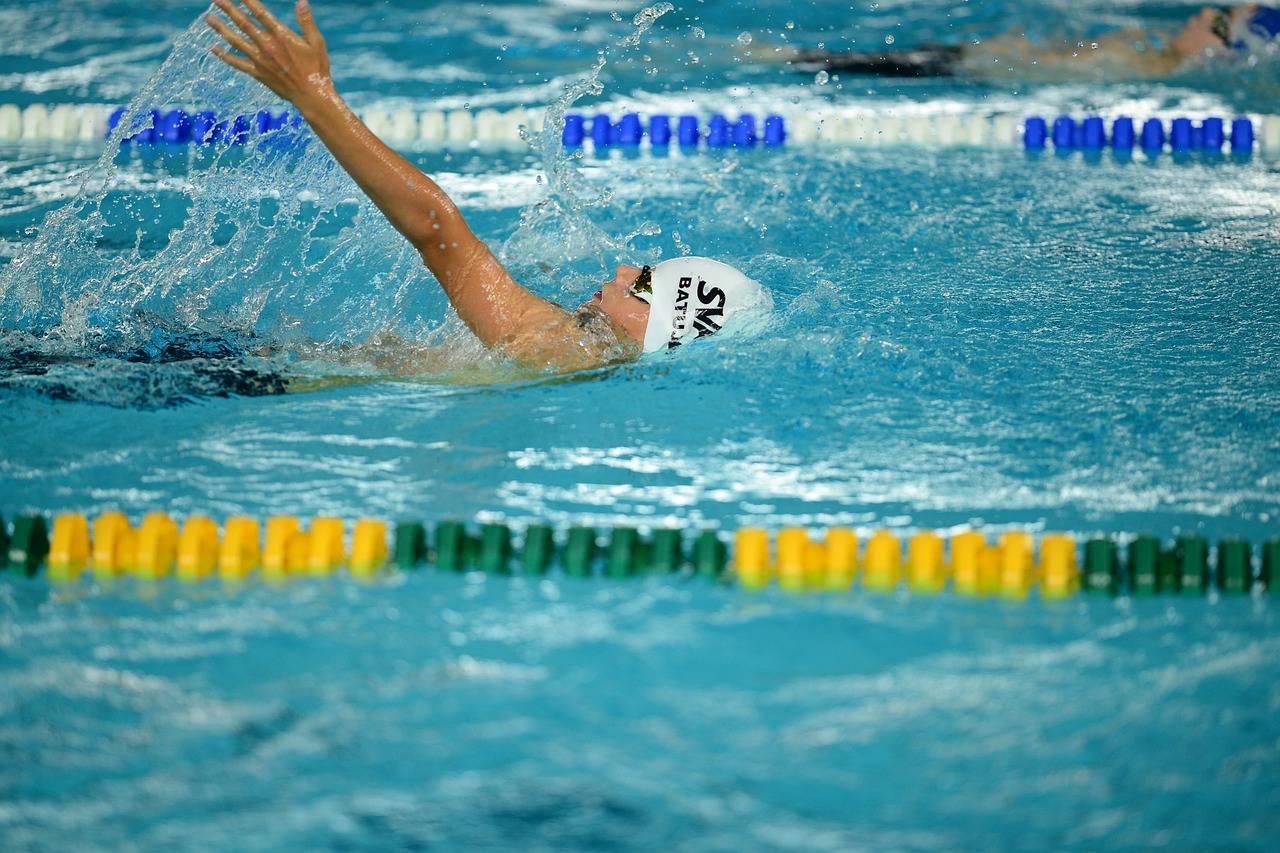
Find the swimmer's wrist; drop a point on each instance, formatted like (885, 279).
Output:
(320, 99)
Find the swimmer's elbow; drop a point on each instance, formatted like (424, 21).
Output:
(454, 260)
(441, 252)
(437, 225)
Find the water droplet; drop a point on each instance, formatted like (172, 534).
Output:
(821, 78)
(888, 39)
(1094, 45)
(615, 16)
(791, 25)
(539, 179)
(699, 33)
(744, 39)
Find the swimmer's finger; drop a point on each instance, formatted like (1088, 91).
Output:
(229, 35)
(237, 62)
(269, 22)
(242, 22)
(307, 22)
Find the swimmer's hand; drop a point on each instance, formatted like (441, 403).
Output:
(295, 67)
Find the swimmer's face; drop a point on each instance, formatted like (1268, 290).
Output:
(629, 316)
(1207, 29)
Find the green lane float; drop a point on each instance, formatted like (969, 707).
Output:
(621, 560)
(1101, 566)
(710, 554)
(1267, 575)
(1014, 566)
(1235, 569)
(579, 551)
(539, 548)
(1193, 561)
(454, 547)
(28, 544)
(495, 549)
(666, 552)
(411, 545)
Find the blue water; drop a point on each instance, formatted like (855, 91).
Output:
(962, 338)
(473, 713)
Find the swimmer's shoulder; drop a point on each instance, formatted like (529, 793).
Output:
(564, 340)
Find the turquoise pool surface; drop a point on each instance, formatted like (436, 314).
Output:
(962, 338)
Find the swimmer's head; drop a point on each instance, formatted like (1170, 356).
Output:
(679, 300)
(1230, 29)
(690, 298)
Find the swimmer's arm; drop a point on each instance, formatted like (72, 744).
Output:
(497, 308)
(1131, 47)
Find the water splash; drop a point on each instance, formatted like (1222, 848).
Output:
(265, 240)
(643, 21)
(563, 224)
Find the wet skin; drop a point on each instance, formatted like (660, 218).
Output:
(1197, 33)
(503, 314)
(628, 315)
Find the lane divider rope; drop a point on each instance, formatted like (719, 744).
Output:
(464, 128)
(795, 559)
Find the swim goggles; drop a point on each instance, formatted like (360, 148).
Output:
(1221, 26)
(642, 287)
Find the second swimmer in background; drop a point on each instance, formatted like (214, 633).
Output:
(1212, 35)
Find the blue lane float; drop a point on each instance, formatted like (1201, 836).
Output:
(775, 130)
(629, 131)
(660, 130)
(1152, 135)
(1035, 132)
(575, 130)
(688, 130)
(1183, 135)
(201, 127)
(1094, 133)
(601, 130)
(1123, 135)
(718, 132)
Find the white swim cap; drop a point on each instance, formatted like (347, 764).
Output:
(694, 297)
(1256, 30)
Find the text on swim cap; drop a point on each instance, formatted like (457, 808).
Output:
(708, 317)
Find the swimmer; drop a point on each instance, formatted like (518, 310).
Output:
(1210, 35)
(641, 309)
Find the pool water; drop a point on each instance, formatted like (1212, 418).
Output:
(474, 713)
(962, 338)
